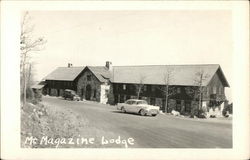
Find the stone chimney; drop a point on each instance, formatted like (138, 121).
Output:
(69, 65)
(109, 65)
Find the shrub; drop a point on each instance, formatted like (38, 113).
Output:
(38, 95)
(200, 113)
(194, 112)
(228, 108)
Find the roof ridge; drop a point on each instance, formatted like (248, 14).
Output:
(72, 67)
(168, 65)
(96, 66)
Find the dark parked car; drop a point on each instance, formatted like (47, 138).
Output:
(70, 94)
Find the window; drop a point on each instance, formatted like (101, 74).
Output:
(121, 98)
(128, 102)
(214, 89)
(142, 102)
(131, 87)
(127, 97)
(88, 77)
(207, 91)
(178, 105)
(178, 90)
(145, 88)
(124, 87)
(152, 101)
(153, 88)
(188, 106)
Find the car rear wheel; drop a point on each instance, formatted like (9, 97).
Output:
(142, 112)
(123, 110)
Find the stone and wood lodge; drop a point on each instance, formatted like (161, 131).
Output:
(114, 84)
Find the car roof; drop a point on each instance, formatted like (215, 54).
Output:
(69, 90)
(135, 100)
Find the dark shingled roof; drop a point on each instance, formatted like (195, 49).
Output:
(64, 73)
(151, 74)
(101, 73)
(39, 85)
(154, 74)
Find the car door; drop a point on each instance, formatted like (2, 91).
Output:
(133, 107)
(127, 106)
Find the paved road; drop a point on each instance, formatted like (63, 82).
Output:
(162, 131)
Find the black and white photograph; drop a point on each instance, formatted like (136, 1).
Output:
(127, 79)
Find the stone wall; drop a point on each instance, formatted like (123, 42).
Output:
(94, 84)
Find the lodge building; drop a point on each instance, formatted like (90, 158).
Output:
(115, 84)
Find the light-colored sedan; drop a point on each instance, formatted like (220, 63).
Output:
(138, 106)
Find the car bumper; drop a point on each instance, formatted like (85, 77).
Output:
(153, 112)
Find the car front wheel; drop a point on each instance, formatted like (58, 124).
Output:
(123, 110)
(142, 112)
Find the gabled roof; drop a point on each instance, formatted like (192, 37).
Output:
(64, 73)
(154, 74)
(101, 73)
(150, 74)
(38, 85)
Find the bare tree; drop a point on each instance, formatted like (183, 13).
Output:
(28, 44)
(168, 77)
(167, 90)
(200, 77)
(140, 85)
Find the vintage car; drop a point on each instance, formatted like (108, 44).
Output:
(138, 106)
(70, 94)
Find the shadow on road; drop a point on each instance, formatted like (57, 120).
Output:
(126, 113)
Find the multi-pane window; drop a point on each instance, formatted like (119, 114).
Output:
(221, 91)
(178, 105)
(131, 87)
(144, 88)
(214, 89)
(153, 88)
(124, 86)
(207, 91)
(178, 90)
(188, 106)
(152, 101)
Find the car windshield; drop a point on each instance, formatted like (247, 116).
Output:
(141, 102)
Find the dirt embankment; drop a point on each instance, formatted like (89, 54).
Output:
(53, 127)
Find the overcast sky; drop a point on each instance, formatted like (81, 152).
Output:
(133, 38)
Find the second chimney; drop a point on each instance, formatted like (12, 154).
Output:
(109, 65)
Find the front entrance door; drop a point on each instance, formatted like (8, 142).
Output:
(88, 92)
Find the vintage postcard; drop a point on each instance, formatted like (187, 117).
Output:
(125, 80)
